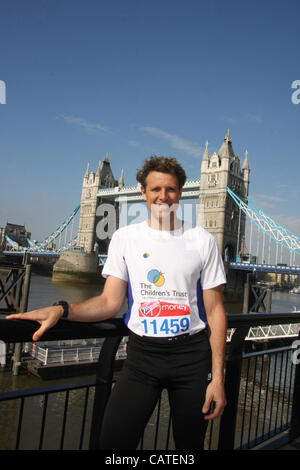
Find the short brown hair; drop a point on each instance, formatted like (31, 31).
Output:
(164, 165)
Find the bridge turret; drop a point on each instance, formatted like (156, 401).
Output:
(246, 174)
(87, 172)
(221, 216)
(121, 180)
(107, 179)
(92, 182)
(205, 158)
(98, 172)
(226, 152)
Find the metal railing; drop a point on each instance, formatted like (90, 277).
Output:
(69, 355)
(262, 389)
(14, 287)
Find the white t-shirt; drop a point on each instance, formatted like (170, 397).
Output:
(166, 273)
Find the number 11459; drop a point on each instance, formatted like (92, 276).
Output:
(167, 326)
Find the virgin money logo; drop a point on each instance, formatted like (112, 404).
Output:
(163, 309)
(150, 309)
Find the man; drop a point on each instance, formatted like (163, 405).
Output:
(173, 275)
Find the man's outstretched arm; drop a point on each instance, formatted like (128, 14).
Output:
(99, 308)
(217, 322)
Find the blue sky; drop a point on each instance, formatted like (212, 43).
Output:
(133, 78)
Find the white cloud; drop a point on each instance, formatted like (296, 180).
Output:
(175, 141)
(133, 143)
(88, 126)
(267, 197)
(230, 120)
(254, 117)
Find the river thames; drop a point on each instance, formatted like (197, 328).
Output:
(44, 292)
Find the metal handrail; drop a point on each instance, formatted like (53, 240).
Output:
(113, 332)
(13, 331)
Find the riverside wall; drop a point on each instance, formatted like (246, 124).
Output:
(78, 266)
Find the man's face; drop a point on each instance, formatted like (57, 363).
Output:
(162, 191)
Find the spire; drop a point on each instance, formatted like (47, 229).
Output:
(86, 175)
(121, 180)
(226, 150)
(98, 172)
(227, 136)
(206, 154)
(246, 163)
(106, 159)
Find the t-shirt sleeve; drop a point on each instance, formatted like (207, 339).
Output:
(213, 272)
(115, 264)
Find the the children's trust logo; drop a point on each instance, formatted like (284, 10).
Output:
(156, 277)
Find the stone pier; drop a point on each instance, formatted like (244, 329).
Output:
(77, 266)
(233, 292)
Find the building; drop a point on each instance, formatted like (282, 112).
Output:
(16, 233)
(220, 214)
(92, 182)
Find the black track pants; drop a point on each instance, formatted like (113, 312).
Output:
(182, 368)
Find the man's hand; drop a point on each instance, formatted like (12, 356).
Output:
(96, 309)
(215, 400)
(47, 317)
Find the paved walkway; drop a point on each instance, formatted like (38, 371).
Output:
(294, 445)
(279, 442)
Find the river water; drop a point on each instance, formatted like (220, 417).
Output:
(44, 292)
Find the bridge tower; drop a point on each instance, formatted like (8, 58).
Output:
(221, 216)
(92, 182)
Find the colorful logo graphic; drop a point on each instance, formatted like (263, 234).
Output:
(156, 277)
(146, 255)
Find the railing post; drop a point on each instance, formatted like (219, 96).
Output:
(246, 295)
(269, 301)
(46, 357)
(295, 420)
(23, 308)
(104, 376)
(232, 387)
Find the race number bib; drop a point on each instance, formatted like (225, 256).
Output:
(164, 318)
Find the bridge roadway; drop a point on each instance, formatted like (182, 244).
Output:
(269, 268)
(130, 194)
(42, 254)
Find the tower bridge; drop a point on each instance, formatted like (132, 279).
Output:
(223, 208)
(217, 211)
(131, 194)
